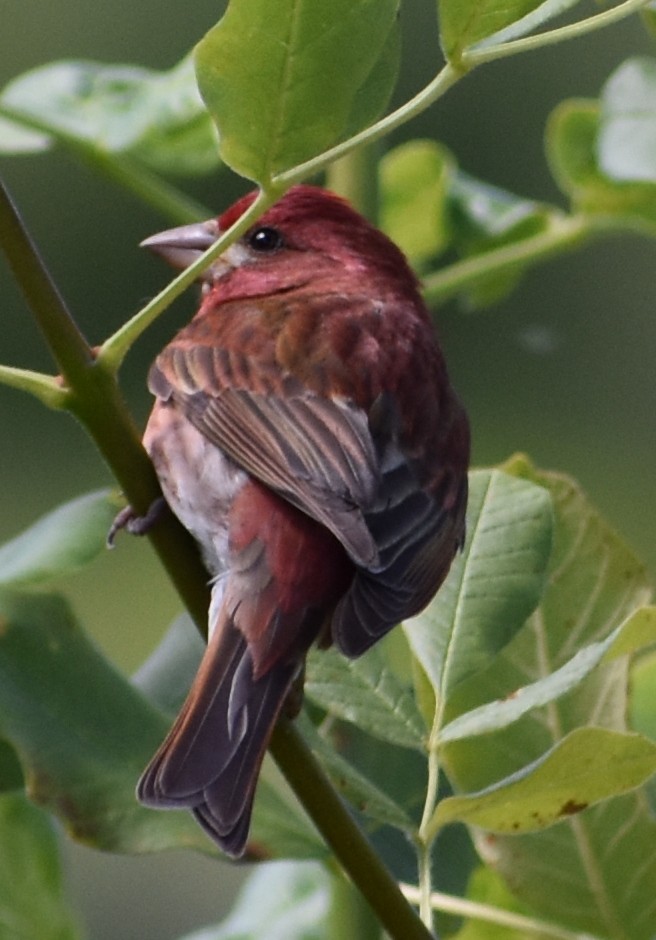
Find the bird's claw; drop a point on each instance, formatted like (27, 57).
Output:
(134, 524)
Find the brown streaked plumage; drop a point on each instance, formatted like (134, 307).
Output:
(306, 433)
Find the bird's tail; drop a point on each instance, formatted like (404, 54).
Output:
(210, 760)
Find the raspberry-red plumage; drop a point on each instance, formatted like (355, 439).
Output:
(305, 431)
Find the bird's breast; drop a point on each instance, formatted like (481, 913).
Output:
(199, 481)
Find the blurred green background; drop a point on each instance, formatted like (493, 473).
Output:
(563, 370)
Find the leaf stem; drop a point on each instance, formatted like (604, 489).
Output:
(146, 185)
(426, 838)
(424, 869)
(561, 232)
(476, 910)
(46, 388)
(113, 350)
(482, 53)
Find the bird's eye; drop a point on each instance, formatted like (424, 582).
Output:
(265, 239)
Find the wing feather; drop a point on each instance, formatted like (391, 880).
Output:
(316, 452)
(341, 465)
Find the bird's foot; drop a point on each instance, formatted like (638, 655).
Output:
(134, 524)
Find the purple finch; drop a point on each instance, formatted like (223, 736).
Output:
(306, 433)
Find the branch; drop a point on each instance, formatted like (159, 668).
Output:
(69, 348)
(329, 814)
(93, 395)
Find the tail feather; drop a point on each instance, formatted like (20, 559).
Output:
(210, 760)
(285, 575)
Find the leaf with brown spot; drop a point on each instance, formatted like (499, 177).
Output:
(587, 766)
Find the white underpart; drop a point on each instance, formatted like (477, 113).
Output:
(200, 484)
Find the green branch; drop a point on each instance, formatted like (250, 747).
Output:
(343, 836)
(69, 348)
(562, 232)
(47, 388)
(113, 350)
(91, 393)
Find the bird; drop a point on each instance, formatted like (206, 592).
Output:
(306, 433)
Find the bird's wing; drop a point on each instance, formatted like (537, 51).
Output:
(316, 452)
(417, 534)
(345, 468)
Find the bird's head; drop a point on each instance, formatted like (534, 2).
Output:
(309, 236)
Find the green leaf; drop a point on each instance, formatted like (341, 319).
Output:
(543, 12)
(367, 692)
(11, 774)
(484, 218)
(487, 889)
(359, 790)
(280, 901)
(598, 870)
(595, 873)
(61, 542)
(414, 180)
(372, 98)
(286, 79)
(587, 766)
(648, 16)
(166, 676)
(643, 701)
(636, 632)
(627, 129)
(156, 118)
(642, 707)
(595, 584)
(493, 585)
(82, 733)
(32, 898)
(280, 827)
(570, 141)
(572, 149)
(15, 139)
(466, 22)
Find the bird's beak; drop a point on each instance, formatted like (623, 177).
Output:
(183, 245)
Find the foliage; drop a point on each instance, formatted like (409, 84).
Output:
(502, 707)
